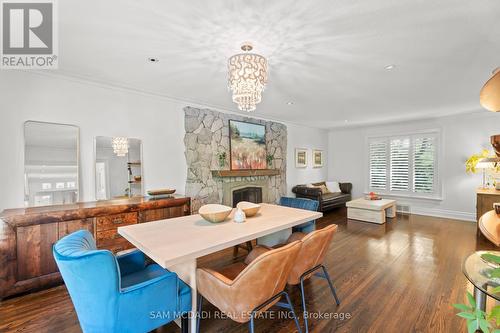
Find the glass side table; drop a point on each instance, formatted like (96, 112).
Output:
(476, 270)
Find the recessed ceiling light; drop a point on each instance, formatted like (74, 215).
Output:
(346, 121)
(289, 103)
(153, 59)
(389, 67)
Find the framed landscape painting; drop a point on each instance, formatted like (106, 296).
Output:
(247, 145)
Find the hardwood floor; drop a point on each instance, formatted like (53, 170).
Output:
(399, 277)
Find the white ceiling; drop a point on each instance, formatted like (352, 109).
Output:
(328, 57)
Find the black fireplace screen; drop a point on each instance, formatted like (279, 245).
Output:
(251, 194)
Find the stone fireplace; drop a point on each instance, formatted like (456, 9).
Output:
(229, 189)
(207, 135)
(249, 193)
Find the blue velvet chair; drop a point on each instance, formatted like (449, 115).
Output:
(119, 294)
(301, 204)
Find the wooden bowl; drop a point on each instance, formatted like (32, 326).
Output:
(215, 213)
(163, 191)
(249, 208)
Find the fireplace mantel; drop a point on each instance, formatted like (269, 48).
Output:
(245, 173)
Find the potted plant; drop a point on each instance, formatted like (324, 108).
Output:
(222, 159)
(269, 160)
(471, 166)
(473, 160)
(478, 320)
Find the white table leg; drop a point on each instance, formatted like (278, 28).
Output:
(391, 212)
(186, 271)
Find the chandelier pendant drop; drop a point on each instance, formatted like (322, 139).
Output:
(247, 78)
(120, 146)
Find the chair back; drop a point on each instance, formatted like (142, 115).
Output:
(92, 278)
(300, 203)
(312, 253)
(263, 278)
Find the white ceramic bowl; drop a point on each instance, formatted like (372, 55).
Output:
(249, 208)
(215, 213)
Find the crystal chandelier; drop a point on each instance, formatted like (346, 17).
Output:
(120, 146)
(247, 78)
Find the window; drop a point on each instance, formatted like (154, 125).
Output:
(378, 164)
(404, 165)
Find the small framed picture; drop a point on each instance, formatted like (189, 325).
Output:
(317, 158)
(300, 158)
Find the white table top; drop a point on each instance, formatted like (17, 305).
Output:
(173, 241)
(363, 203)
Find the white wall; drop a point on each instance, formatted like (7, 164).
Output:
(462, 136)
(98, 111)
(309, 138)
(105, 111)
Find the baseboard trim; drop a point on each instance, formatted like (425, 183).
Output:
(444, 213)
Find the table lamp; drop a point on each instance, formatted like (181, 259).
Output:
(485, 164)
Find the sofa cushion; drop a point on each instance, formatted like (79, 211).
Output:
(333, 187)
(324, 189)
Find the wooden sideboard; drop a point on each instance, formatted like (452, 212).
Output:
(485, 200)
(28, 234)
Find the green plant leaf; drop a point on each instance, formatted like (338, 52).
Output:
(472, 326)
(472, 302)
(462, 307)
(466, 315)
(496, 290)
(480, 314)
(484, 325)
(495, 314)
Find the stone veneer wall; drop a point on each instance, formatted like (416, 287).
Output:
(207, 134)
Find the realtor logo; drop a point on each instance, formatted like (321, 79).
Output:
(29, 35)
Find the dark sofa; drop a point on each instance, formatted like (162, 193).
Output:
(326, 201)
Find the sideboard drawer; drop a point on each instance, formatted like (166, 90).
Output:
(106, 236)
(111, 222)
(116, 245)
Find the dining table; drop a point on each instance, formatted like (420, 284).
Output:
(177, 243)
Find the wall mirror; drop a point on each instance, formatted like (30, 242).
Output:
(51, 157)
(118, 167)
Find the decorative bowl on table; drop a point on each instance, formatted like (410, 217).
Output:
(372, 196)
(163, 191)
(214, 213)
(249, 208)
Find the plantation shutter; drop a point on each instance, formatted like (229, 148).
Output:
(378, 164)
(400, 164)
(424, 156)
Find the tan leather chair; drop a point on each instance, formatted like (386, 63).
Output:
(310, 259)
(243, 290)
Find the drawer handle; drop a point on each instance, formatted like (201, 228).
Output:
(117, 221)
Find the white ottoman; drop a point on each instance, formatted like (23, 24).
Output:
(374, 211)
